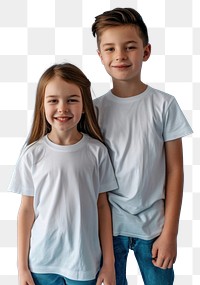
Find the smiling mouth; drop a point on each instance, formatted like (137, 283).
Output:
(62, 119)
(121, 66)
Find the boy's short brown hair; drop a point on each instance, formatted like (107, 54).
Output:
(119, 17)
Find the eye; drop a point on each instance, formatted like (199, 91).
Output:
(131, 48)
(109, 49)
(52, 101)
(74, 99)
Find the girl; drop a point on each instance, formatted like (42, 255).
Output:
(63, 174)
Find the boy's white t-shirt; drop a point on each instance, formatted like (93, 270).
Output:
(135, 129)
(65, 182)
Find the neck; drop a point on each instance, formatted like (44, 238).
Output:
(66, 139)
(128, 89)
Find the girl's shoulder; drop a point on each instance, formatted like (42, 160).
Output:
(34, 152)
(97, 148)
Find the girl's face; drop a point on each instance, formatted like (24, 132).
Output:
(63, 106)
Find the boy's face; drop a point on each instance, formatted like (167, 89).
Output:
(122, 52)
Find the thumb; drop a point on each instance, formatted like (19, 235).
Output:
(154, 252)
(99, 281)
(31, 282)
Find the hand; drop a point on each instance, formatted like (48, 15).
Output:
(164, 252)
(25, 278)
(106, 276)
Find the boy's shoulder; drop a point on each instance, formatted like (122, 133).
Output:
(102, 98)
(149, 94)
(160, 98)
(162, 94)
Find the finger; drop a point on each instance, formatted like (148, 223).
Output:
(99, 281)
(170, 265)
(30, 282)
(154, 251)
(166, 263)
(154, 254)
(163, 263)
(158, 262)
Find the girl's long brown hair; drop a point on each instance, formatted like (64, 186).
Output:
(69, 73)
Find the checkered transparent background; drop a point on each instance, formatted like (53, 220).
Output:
(35, 34)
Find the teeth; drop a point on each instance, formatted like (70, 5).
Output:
(62, 119)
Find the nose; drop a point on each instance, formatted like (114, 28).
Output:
(121, 55)
(63, 108)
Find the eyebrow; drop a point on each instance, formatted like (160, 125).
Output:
(128, 42)
(52, 96)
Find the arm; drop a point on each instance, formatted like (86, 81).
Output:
(164, 250)
(107, 272)
(25, 222)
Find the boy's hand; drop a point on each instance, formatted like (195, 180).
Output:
(106, 276)
(25, 278)
(164, 252)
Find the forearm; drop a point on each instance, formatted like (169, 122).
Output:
(173, 191)
(164, 250)
(25, 222)
(105, 233)
(173, 201)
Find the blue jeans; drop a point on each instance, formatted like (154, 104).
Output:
(55, 279)
(151, 274)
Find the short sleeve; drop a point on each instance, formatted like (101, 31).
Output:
(22, 181)
(107, 177)
(175, 123)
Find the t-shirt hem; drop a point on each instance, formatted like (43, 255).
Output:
(109, 187)
(178, 136)
(20, 192)
(133, 235)
(77, 275)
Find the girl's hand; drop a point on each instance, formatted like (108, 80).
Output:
(106, 276)
(25, 278)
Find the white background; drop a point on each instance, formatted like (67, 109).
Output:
(35, 34)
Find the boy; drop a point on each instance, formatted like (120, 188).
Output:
(142, 128)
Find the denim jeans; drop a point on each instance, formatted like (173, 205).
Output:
(55, 279)
(151, 274)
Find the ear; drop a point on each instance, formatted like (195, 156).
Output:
(100, 55)
(147, 52)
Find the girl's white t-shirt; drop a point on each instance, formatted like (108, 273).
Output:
(65, 182)
(135, 130)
